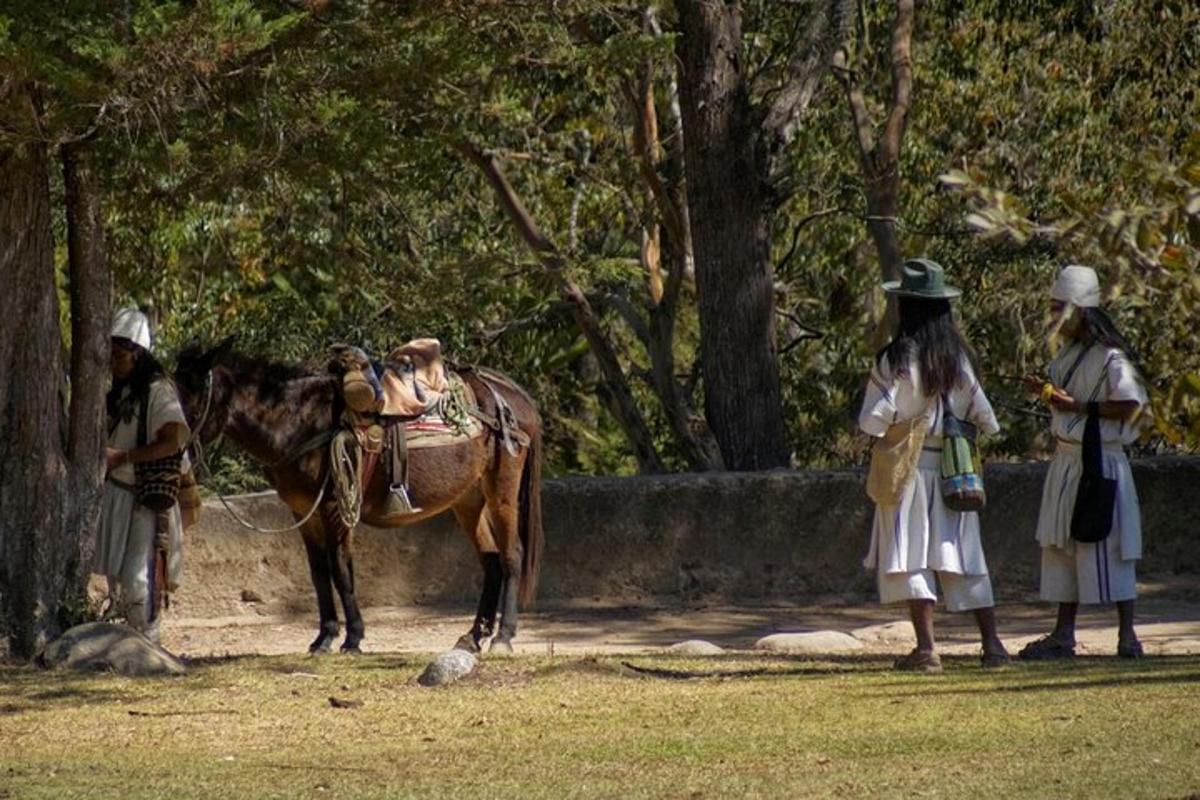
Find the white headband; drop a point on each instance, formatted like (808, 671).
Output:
(1078, 286)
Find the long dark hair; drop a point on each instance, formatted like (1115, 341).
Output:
(146, 370)
(928, 334)
(1096, 326)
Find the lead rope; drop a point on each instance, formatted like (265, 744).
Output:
(345, 463)
(195, 443)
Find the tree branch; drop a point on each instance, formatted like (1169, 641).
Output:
(902, 78)
(623, 406)
(828, 27)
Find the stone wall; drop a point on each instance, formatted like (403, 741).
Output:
(761, 538)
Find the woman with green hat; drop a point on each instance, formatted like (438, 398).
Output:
(917, 542)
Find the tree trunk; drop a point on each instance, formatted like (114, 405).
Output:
(91, 313)
(34, 538)
(729, 209)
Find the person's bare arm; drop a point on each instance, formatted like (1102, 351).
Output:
(169, 440)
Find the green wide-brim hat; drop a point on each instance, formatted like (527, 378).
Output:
(924, 279)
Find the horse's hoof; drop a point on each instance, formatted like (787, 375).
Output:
(467, 642)
(351, 649)
(320, 650)
(501, 647)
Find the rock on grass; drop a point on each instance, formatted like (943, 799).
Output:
(447, 668)
(814, 643)
(695, 647)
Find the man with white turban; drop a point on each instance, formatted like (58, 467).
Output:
(125, 547)
(1095, 367)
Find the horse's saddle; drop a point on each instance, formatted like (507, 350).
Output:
(414, 378)
(409, 382)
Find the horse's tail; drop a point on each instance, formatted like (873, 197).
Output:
(530, 518)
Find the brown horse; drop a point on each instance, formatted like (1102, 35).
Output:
(275, 412)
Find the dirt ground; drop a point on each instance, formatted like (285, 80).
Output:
(1169, 624)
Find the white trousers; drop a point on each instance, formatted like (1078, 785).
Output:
(962, 592)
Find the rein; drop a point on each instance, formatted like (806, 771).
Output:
(195, 443)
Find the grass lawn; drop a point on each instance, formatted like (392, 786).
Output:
(263, 727)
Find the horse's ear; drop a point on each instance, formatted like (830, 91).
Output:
(217, 354)
(191, 351)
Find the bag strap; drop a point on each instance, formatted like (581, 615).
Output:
(1093, 463)
(1078, 360)
(142, 413)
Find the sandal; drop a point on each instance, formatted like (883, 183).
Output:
(1130, 649)
(918, 661)
(995, 660)
(1046, 648)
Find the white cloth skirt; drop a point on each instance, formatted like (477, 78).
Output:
(1058, 501)
(125, 538)
(1083, 572)
(920, 533)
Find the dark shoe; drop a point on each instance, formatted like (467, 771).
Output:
(1046, 648)
(995, 660)
(918, 661)
(1130, 649)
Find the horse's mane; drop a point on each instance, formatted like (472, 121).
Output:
(272, 378)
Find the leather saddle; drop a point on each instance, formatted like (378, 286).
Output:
(407, 384)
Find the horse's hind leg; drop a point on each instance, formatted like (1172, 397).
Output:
(473, 520)
(318, 567)
(502, 489)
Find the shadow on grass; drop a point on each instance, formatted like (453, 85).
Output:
(736, 666)
(1081, 673)
(29, 692)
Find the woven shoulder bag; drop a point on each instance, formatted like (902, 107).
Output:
(894, 460)
(156, 484)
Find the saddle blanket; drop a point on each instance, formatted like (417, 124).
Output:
(433, 431)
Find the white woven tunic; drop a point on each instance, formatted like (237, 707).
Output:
(125, 526)
(1103, 373)
(920, 532)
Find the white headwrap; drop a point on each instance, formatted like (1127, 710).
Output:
(131, 324)
(1078, 286)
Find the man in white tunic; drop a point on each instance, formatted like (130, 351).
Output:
(125, 547)
(1096, 366)
(919, 542)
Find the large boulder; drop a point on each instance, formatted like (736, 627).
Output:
(112, 647)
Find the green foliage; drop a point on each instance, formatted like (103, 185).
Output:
(1065, 120)
(288, 172)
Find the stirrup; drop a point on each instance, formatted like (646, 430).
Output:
(399, 495)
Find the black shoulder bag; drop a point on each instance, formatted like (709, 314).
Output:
(1092, 517)
(156, 484)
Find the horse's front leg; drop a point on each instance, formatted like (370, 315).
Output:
(318, 567)
(341, 565)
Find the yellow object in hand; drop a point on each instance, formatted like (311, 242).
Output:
(1047, 392)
